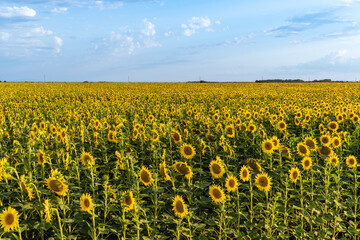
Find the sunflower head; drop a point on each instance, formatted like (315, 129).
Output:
(179, 207)
(47, 210)
(281, 125)
(217, 194)
(336, 142)
(306, 163)
(163, 171)
(56, 183)
(303, 149)
(325, 151)
(217, 168)
(231, 183)
(145, 176)
(184, 169)
(333, 159)
(253, 165)
(333, 126)
(9, 219)
(310, 143)
(351, 161)
(187, 151)
(263, 182)
(176, 136)
(325, 140)
(86, 202)
(294, 174)
(129, 200)
(230, 131)
(244, 173)
(268, 146)
(87, 159)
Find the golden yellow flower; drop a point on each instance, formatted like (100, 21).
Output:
(56, 183)
(187, 151)
(86, 202)
(129, 200)
(302, 149)
(184, 169)
(231, 183)
(263, 182)
(244, 173)
(179, 207)
(306, 163)
(47, 210)
(217, 168)
(9, 219)
(268, 146)
(163, 171)
(294, 174)
(351, 161)
(145, 176)
(217, 194)
(87, 159)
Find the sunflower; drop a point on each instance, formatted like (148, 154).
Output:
(145, 176)
(351, 161)
(184, 169)
(9, 219)
(253, 165)
(333, 159)
(281, 125)
(187, 151)
(302, 149)
(231, 183)
(179, 206)
(217, 194)
(112, 136)
(306, 163)
(216, 168)
(41, 158)
(230, 131)
(321, 128)
(268, 146)
(86, 202)
(129, 200)
(355, 118)
(333, 125)
(244, 173)
(325, 140)
(285, 152)
(263, 182)
(119, 160)
(276, 142)
(325, 151)
(336, 142)
(56, 183)
(25, 188)
(163, 171)
(47, 210)
(294, 174)
(87, 159)
(251, 127)
(310, 143)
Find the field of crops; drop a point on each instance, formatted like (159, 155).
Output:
(179, 160)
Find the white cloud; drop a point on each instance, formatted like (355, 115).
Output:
(4, 36)
(9, 12)
(149, 29)
(195, 24)
(106, 5)
(61, 10)
(58, 44)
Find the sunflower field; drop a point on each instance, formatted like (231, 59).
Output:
(179, 160)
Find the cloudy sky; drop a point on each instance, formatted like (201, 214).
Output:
(168, 40)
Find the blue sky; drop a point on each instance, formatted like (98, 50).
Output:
(168, 40)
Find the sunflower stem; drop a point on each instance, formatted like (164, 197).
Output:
(19, 230)
(59, 221)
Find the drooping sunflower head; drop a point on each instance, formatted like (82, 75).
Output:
(129, 200)
(217, 194)
(87, 159)
(325, 151)
(187, 151)
(184, 169)
(41, 157)
(9, 219)
(263, 182)
(231, 183)
(302, 149)
(86, 202)
(306, 163)
(351, 161)
(179, 207)
(112, 136)
(310, 143)
(25, 187)
(163, 171)
(217, 168)
(56, 183)
(145, 176)
(253, 165)
(47, 210)
(294, 174)
(268, 146)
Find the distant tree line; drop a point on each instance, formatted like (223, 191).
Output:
(291, 80)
